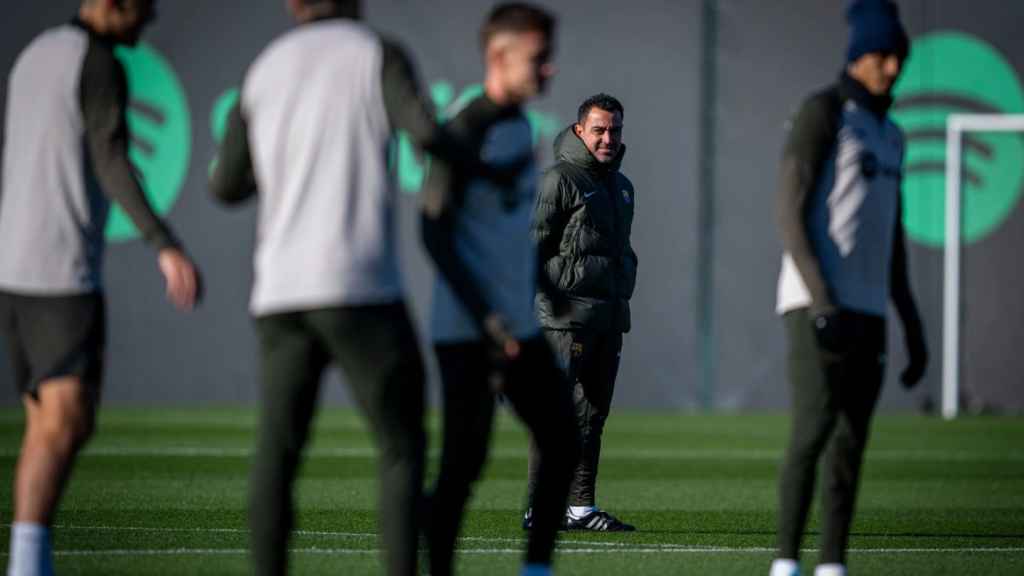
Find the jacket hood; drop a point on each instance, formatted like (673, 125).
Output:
(569, 148)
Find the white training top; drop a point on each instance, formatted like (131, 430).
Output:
(51, 221)
(318, 134)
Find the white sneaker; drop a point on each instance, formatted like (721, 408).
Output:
(830, 570)
(785, 567)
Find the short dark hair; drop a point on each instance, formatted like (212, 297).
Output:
(604, 102)
(517, 17)
(347, 8)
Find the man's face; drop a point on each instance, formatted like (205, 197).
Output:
(128, 18)
(601, 132)
(524, 63)
(877, 71)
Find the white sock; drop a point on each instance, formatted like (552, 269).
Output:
(536, 570)
(578, 512)
(785, 567)
(30, 550)
(830, 570)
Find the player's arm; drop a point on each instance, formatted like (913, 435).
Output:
(903, 300)
(410, 111)
(104, 101)
(233, 179)
(809, 143)
(442, 198)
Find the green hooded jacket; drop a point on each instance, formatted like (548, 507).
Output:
(581, 224)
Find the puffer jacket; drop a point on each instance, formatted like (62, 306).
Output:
(581, 224)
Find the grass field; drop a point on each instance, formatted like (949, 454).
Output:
(163, 492)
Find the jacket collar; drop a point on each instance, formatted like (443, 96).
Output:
(851, 89)
(569, 148)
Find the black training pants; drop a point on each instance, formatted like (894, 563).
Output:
(535, 387)
(591, 361)
(377, 351)
(833, 397)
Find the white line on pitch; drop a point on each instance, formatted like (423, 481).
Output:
(579, 545)
(331, 534)
(495, 551)
(612, 453)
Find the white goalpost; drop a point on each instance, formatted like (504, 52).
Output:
(956, 126)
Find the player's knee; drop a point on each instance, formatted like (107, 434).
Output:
(402, 447)
(81, 423)
(848, 448)
(85, 427)
(64, 437)
(806, 451)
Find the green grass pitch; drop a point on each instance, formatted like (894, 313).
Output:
(164, 492)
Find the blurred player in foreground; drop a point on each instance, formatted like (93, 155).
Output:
(842, 230)
(310, 135)
(65, 159)
(483, 324)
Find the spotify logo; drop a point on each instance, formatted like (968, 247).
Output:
(952, 72)
(160, 127)
(405, 161)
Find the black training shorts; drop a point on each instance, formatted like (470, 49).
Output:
(51, 337)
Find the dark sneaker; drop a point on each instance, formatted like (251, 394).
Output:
(599, 521)
(528, 521)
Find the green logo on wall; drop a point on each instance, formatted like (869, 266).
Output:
(953, 72)
(161, 133)
(410, 169)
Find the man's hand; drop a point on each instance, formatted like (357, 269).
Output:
(504, 349)
(183, 282)
(497, 332)
(917, 352)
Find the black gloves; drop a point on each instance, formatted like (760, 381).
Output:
(917, 353)
(832, 329)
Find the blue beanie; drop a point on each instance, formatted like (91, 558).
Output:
(875, 27)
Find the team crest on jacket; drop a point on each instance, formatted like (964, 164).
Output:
(626, 197)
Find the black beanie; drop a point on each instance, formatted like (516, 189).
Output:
(875, 27)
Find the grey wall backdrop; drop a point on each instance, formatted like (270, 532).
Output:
(707, 85)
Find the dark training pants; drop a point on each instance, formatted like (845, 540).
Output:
(834, 396)
(591, 360)
(376, 349)
(535, 387)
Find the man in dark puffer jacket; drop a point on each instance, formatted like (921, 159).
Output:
(582, 224)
